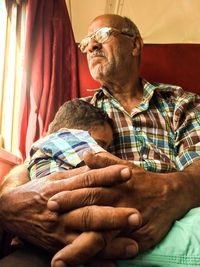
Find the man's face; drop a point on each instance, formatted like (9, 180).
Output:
(107, 60)
(102, 134)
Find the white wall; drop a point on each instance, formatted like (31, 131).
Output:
(160, 21)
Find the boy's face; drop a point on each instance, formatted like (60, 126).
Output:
(102, 134)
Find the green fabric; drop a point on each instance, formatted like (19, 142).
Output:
(181, 246)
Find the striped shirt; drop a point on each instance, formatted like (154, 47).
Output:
(162, 134)
(60, 151)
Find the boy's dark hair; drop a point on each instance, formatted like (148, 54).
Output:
(78, 114)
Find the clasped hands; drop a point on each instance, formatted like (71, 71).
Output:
(111, 227)
(97, 214)
(101, 225)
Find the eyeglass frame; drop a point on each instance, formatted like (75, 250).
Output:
(110, 30)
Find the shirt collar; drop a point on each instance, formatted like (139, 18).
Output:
(148, 90)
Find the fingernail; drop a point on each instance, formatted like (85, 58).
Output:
(59, 263)
(131, 251)
(134, 219)
(125, 173)
(52, 205)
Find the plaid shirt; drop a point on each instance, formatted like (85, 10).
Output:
(162, 134)
(60, 151)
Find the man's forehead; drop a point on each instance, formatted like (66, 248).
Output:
(114, 21)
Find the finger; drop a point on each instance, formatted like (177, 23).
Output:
(80, 250)
(120, 248)
(59, 181)
(66, 174)
(94, 178)
(101, 218)
(150, 233)
(70, 200)
(100, 160)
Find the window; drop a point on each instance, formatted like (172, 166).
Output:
(12, 41)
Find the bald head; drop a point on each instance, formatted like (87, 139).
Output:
(116, 21)
(110, 20)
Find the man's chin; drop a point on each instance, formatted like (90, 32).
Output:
(95, 71)
(96, 60)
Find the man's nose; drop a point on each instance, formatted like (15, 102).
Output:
(93, 45)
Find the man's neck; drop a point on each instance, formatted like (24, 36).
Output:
(129, 95)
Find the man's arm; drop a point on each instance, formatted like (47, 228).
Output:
(17, 176)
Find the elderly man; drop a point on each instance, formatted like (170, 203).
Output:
(157, 129)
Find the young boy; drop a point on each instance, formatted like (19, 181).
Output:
(77, 127)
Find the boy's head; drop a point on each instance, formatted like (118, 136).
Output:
(79, 114)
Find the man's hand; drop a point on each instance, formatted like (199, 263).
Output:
(161, 199)
(23, 209)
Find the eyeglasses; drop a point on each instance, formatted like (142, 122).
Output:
(100, 36)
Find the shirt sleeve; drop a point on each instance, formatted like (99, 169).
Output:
(187, 126)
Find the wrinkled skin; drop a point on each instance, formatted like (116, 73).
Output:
(152, 194)
(24, 210)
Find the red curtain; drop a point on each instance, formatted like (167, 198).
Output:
(50, 73)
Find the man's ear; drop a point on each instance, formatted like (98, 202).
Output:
(137, 46)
